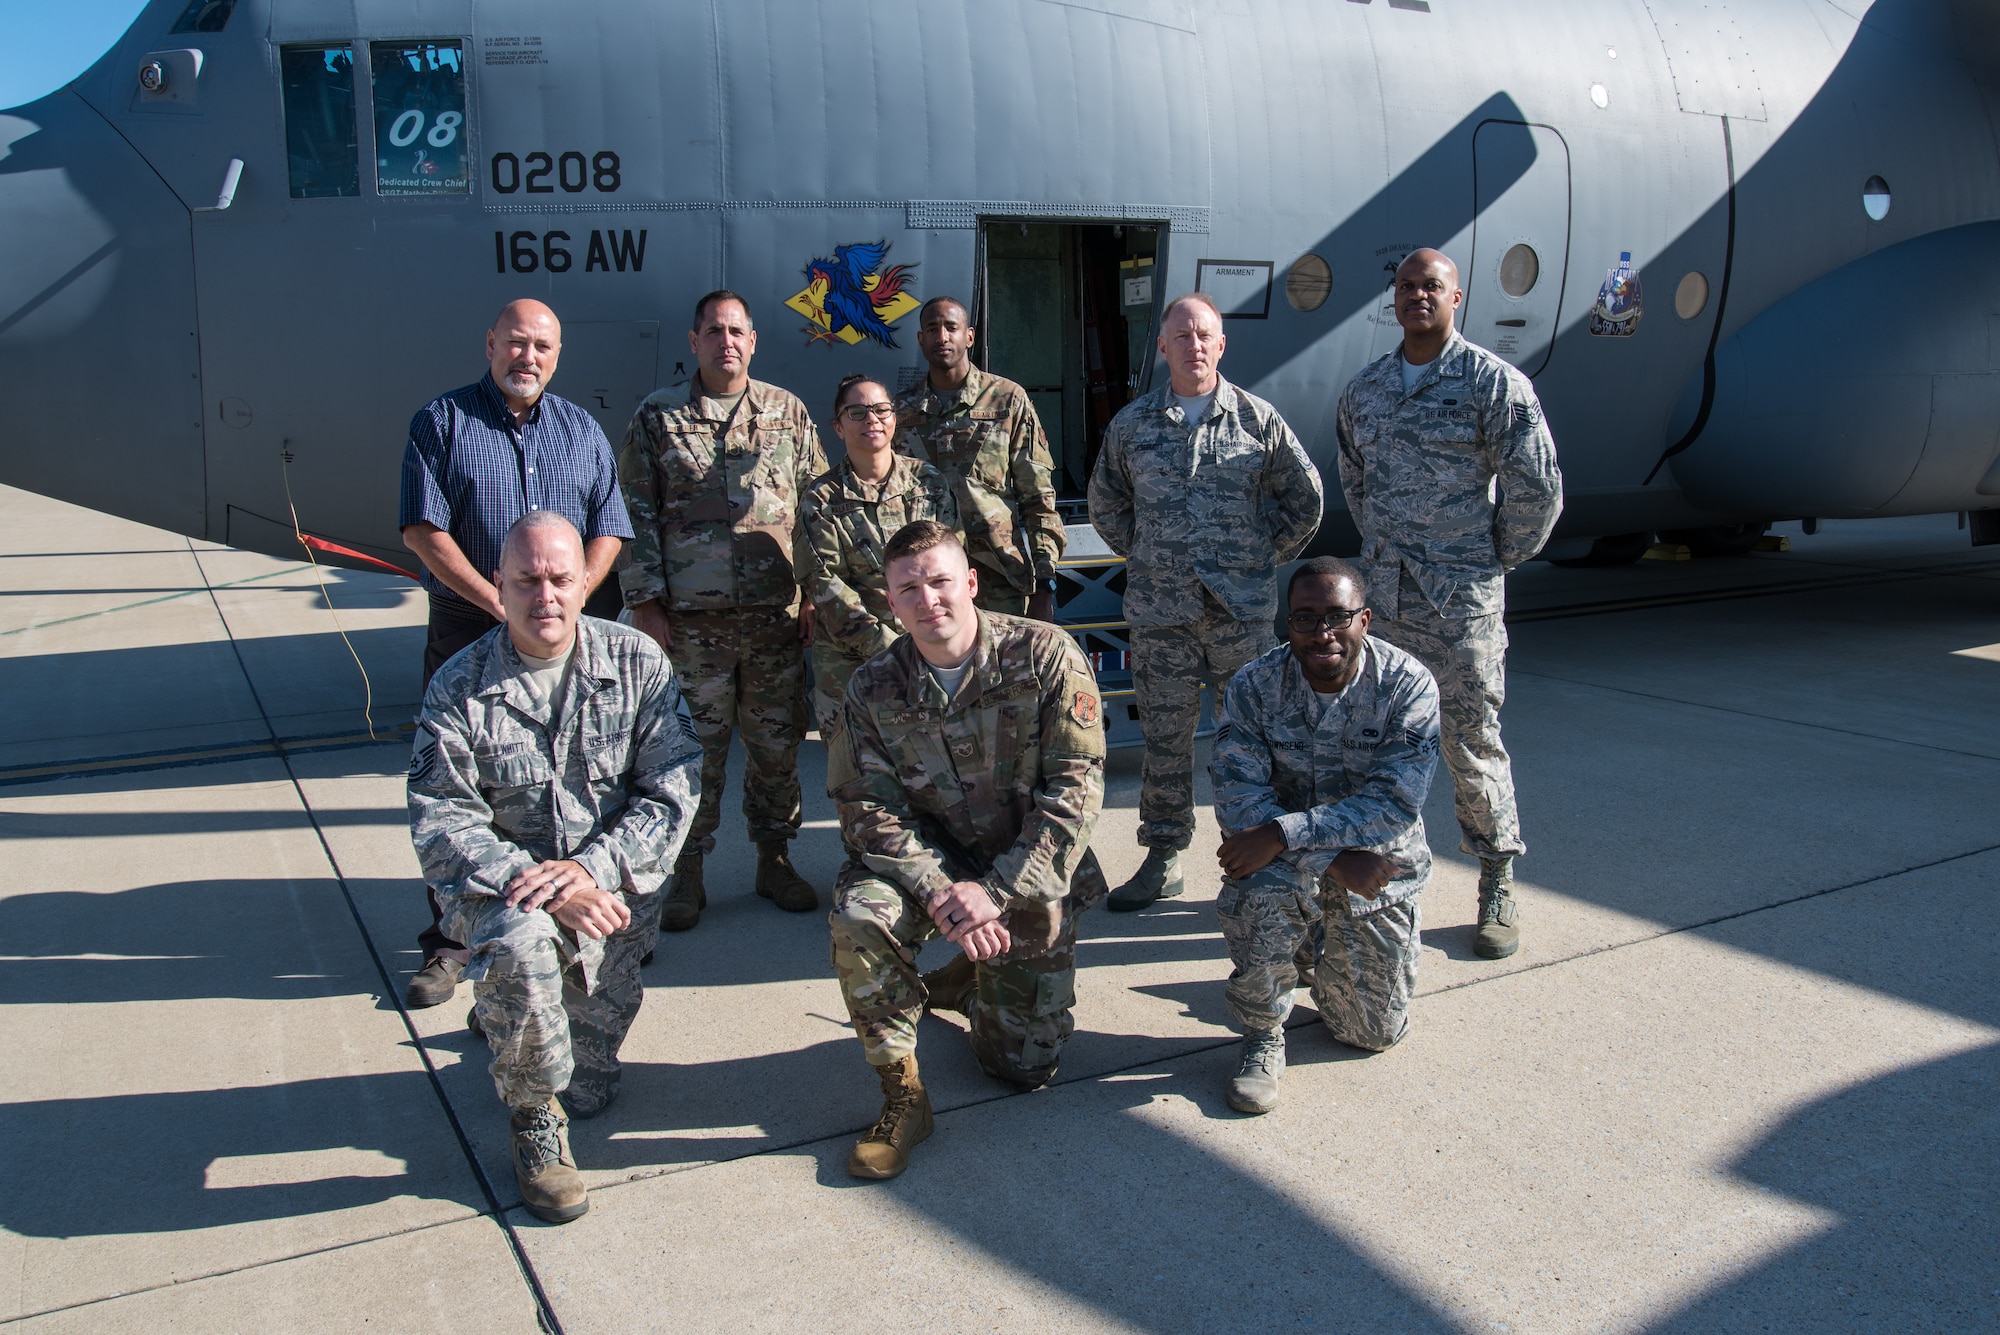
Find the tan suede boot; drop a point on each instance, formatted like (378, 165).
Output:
(686, 896)
(779, 881)
(551, 1187)
(905, 1120)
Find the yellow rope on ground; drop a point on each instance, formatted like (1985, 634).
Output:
(367, 688)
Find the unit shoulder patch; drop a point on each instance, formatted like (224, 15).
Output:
(1083, 709)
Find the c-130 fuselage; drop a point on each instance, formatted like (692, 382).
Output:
(1796, 184)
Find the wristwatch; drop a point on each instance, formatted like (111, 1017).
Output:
(1046, 585)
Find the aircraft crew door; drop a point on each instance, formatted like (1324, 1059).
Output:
(609, 367)
(1068, 311)
(1520, 241)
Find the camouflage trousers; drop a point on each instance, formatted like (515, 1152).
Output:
(831, 671)
(1020, 1012)
(1169, 666)
(744, 668)
(1468, 656)
(547, 1031)
(1362, 970)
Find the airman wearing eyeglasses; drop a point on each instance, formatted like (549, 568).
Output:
(1324, 752)
(845, 518)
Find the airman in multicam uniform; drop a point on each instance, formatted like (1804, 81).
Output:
(981, 432)
(1323, 757)
(968, 774)
(1205, 491)
(554, 776)
(1450, 474)
(712, 476)
(845, 519)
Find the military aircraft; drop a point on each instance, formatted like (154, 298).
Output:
(1748, 251)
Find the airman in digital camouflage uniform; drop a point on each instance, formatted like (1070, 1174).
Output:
(554, 776)
(1205, 491)
(845, 520)
(1450, 474)
(981, 432)
(968, 774)
(1323, 756)
(712, 476)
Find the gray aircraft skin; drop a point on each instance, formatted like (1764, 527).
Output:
(1807, 189)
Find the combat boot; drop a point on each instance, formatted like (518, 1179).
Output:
(551, 1187)
(1255, 1088)
(779, 881)
(1498, 935)
(686, 897)
(951, 988)
(905, 1121)
(1158, 877)
(433, 984)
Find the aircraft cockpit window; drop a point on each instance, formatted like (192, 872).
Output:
(419, 118)
(205, 16)
(322, 153)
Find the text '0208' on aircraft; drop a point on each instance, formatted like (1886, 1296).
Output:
(1748, 251)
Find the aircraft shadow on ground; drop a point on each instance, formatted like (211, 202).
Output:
(140, 1163)
(1911, 1157)
(184, 940)
(1122, 1214)
(182, 685)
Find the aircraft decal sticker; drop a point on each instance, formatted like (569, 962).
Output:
(1620, 301)
(852, 296)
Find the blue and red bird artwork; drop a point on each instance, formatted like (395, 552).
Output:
(852, 296)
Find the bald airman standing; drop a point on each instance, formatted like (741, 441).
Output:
(1450, 474)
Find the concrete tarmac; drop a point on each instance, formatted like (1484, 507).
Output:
(1741, 1075)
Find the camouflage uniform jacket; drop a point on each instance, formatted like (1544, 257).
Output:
(1455, 482)
(714, 497)
(609, 777)
(1219, 503)
(986, 440)
(843, 525)
(1001, 782)
(1352, 773)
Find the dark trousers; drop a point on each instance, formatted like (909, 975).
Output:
(453, 626)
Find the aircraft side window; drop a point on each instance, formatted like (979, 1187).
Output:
(205, 16)
(322, 155)
(420, 129)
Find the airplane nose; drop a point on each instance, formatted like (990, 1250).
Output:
(97, 289)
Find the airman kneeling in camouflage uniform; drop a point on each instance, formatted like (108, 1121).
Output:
(1205, 491)
(554, 776)
(1450, 474)
(1323, 757)
(968, 773)
(845, 517)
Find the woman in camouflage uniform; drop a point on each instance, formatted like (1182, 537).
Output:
(845, 518)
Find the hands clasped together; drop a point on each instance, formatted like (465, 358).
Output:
(1356, 869)
(572, 897)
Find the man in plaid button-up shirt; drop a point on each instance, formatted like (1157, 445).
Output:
(478, 459)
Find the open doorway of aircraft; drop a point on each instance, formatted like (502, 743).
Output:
(1747, 251)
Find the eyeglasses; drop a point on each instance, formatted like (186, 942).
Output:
(858, 413)
(1307, 623)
